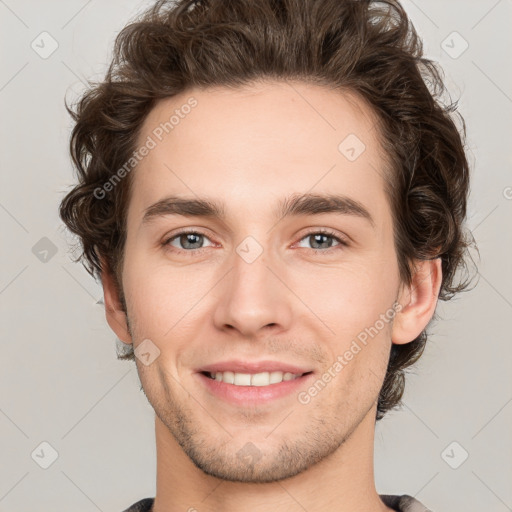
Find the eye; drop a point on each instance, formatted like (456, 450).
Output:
(322, 240)
(190, 241)
(187, 241)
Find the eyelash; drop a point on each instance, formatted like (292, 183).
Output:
(321, 231)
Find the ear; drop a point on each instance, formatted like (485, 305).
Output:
(116, 317)
(419, 301)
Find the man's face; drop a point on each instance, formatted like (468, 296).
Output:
(254, 286)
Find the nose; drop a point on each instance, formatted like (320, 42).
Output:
(253, 299)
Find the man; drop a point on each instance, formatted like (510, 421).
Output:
(274, 202)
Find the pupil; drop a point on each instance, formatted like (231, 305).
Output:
(189, 238)
(318, 238)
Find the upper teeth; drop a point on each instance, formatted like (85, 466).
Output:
(254, 379)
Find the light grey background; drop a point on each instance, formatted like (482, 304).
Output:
(60, 381)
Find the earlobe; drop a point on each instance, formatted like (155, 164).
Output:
(114, 313)
(418, 301)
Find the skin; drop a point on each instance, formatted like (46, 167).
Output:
(249, 148)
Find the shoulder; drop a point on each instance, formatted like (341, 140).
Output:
(403, 503)
(141, 506)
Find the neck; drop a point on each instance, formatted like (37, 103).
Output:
(343, 481)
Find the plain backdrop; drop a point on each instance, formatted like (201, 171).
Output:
(66, 402)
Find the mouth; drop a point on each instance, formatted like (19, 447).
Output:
(252, 389)
(260, 379)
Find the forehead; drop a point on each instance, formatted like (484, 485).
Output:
(253, 145)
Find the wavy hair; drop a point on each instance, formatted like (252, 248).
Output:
(369, 48)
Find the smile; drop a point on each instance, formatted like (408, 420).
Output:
(250, 389)
(254, 379)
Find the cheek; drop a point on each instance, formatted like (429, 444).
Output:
(347, 297)
(159, 295)
(356, 303)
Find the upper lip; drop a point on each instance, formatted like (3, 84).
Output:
(238, 366)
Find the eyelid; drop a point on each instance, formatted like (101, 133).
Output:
(342, 240)
(196, 231)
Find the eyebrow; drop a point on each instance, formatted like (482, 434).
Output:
(294, 205)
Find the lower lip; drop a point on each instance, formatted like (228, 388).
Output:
(253, 395)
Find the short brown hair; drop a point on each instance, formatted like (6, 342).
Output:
(365, 47)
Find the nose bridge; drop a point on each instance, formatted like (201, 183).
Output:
(252, 296)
